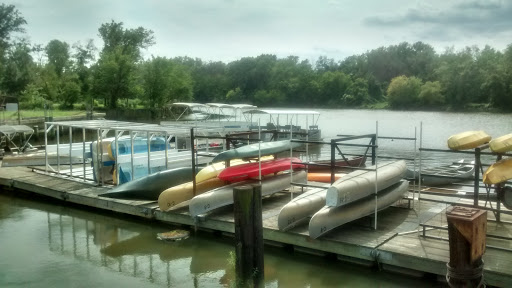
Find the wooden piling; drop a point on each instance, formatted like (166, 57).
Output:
(466, 231)
(249, 261)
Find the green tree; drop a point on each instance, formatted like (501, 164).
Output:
(403, 91)
(357, 93)
(58, 56)
(332, 87)
(431, 94)
(18, 68)
(115, 72)
(11, 22)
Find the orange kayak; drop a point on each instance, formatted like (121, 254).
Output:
(324, 177)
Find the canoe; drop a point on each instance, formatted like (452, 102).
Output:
(252, 170)
(150, 187)
(329, 218)
(501, 144)
(184, 192)
(301, 207)
(253, 150)
(223, 196)
(213, 170)
(324, 177)
(356, 161)
(140, 145)
(468, 140)
(498, 172)
(361, 183)
(447, 174)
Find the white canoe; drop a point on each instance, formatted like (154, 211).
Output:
(329, 218)
(223, 196)
(300, 208)
(361, 183)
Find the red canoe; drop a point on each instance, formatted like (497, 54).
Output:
(251, 170)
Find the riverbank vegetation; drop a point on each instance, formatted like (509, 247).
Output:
(402, 76)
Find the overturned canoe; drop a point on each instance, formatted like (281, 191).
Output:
(300, 208)
(329, 218)
(501, 144)
(468, 140)
(361, 183)
(184, 192)
(253, 150)
(223, 196)
(498, 172)
(150, 186)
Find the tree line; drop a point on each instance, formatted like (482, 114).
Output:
(402, 76)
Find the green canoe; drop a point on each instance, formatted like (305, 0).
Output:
(253, 150)
(150, 187)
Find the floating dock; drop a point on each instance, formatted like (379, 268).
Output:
(407, 239)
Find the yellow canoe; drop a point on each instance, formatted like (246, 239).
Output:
(184, 192)
(498, 172)
(213, 170)
(501, 144)
(468, 140)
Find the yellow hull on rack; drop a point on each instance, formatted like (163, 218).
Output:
(184, 192)
(468, 140)
(501, 144)
(498, 172)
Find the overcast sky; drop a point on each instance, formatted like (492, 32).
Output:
(226, 30)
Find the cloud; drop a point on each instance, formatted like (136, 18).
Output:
(462, 19)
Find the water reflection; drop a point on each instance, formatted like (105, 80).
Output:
(121, 250)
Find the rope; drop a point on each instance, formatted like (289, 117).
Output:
(465, 274)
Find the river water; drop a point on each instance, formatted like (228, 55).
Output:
(46, 244)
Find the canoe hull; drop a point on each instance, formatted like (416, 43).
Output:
(300, 208)
(329, 218)
(361, 183)
(501, 144)
(498, 172)
(468, 140)
(324, 177)
(223, 196)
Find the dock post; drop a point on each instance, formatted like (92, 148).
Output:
(466, 232)
(249, 263)
(477, 175)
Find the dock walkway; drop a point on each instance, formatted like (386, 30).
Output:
(397, 245)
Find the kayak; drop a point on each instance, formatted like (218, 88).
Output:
(468, 140)
(324, 177)
(255, 150)
(184, 192)
(213, 170)
(223, 196)
(150, 186)
(252, 170)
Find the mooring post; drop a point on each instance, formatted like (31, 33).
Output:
(466, 232)
(249, 262)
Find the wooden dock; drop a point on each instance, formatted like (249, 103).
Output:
(397, 245)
